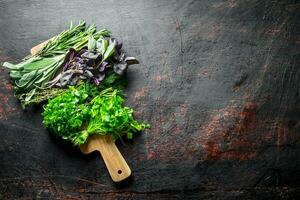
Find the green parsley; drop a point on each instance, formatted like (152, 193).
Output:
(83, 111)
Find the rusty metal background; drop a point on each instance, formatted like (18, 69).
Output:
(219, 81)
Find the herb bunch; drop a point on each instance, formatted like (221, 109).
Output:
(93, 63)
(82, 72)
(66, 114)
(34, 73)
(78, 113)
(75, 37)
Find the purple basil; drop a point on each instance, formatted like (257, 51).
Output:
(89, 55)
(131, 60)
(102, 66)
(98, 78)
(93, 65)
(120, 68)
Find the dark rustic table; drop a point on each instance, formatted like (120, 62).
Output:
(219, 81)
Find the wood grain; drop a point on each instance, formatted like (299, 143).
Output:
(34, 50)
(37, 48)
(114, 161)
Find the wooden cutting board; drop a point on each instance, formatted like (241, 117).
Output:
(113, 159)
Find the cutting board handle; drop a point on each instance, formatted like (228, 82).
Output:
(114, 161)
(36, 49)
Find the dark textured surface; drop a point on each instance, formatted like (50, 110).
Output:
(219, 82)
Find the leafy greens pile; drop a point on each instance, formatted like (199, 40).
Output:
(77, 114)
(82, 72)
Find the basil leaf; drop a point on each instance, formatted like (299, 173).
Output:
(109, 51)
(102, 46)
(92, 44)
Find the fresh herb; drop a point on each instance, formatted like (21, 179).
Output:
(77, 114)
(42, 96)
(75, 37)
(34, 73)
(81, 72)
(93, 63)
(108, 116)
(67, 113)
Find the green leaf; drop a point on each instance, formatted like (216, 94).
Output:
(10, 66)
(26, 78)
(102, 45)
(15, 75)
(92, 44)
(21, 65)
(74, 116)
(129, 135)
(30, 94)
(109, 51)
(38, 64)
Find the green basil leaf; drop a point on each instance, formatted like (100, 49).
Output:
(102, 45)
(92, 44)
(109, 51)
